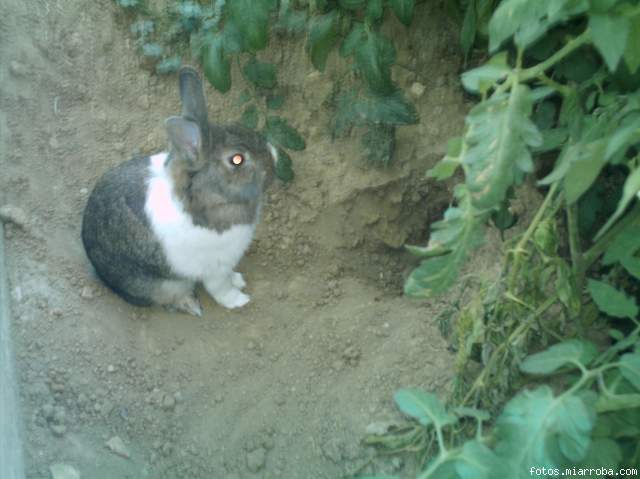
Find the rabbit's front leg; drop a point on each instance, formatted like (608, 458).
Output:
(225, 289)
(237, 280)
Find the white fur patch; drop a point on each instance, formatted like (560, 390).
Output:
(192, 251)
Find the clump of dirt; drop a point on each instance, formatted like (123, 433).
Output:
(284, 387)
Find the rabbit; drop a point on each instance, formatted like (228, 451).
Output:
(154, 227)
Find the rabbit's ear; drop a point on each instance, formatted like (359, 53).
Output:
(194, 105)
(185, 139)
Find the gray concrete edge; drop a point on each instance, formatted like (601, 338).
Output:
(11, 453)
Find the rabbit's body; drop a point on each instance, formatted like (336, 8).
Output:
(154, 227)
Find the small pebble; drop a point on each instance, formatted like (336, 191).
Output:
(87, 292)
(256, 459)
(17, 69)
(58, 430)
(166, 449)
(63, 471)
(117, 446)
(14, 214)
(168, 402)
(417, 90)
(47, 411)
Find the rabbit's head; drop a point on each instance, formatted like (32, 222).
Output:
(229, 161)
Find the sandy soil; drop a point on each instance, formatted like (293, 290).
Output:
(282, 388)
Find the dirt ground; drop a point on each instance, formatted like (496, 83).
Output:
(284, 387)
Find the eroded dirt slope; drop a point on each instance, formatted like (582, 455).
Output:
(282, 388)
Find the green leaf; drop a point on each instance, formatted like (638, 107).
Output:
(619, 402)
(630, 191)
(499, 134)
(477, 461)
(444, 169)
(612, 301)
(528, 21)
(624, 245)
(351, 4)
(275, 102)
(250, 117)
(503, 218)
(322, 38)
(584, 171)
(602, 453)
(168, 65)
(618, 424)
(425, 407)
(403, 10)
(609, 33)
(374, 10)
(243, 98)
(630, 368)
(284, 166)
(354, 109)
(353, 40)
(461, 230)
(632, 265)
(252, 20)
(216, 65)
(262, 75)
(566, 289)
(562, 354)
(380, 143)
(545, 115)
(290, 20)
(281, 133)
(152, 50)
(632, 52)
(391, 109)
(142, 27)
(537, 429)
(373, 59)
(469, 27)
(480, 79)
(625, 136)
(128, 3)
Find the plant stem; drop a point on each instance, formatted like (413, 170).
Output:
(520, 246)
(574, 245)
(559, 87)
(592, 254)
(521, 329)
(574, 44)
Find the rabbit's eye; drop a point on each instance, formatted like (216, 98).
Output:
(237, 159)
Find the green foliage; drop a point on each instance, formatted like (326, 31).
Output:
(403, 10)
(322, 38)
(536, 428)
(549, 100)
(222, 32)
(216, 65)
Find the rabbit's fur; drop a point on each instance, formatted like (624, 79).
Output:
(155, 226)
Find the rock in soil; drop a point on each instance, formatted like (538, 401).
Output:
(256, 459)
(117, 446)
(63, 471)
(14, 214)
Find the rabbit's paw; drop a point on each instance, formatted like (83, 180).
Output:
(232, 298)
(237, 280)
(188, 305)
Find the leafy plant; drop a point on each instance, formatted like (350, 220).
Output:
(558, 104)
(222, 33)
